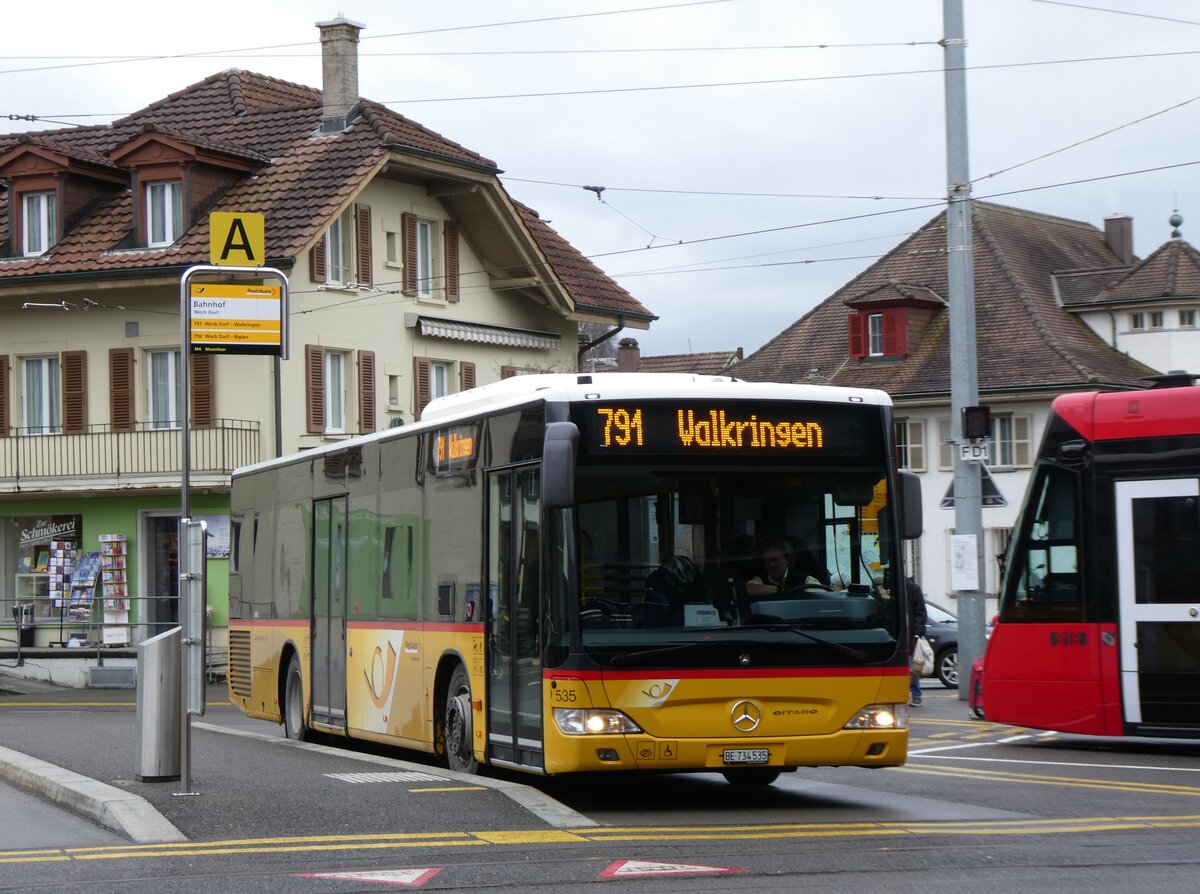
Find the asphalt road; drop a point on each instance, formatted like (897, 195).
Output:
(979, 807)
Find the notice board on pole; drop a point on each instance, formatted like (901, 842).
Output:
(236, 318)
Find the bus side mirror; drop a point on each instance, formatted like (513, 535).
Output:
(558, 465)
(911, 520)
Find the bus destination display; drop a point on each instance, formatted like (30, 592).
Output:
(611, 429)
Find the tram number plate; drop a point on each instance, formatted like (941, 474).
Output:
(747, 755)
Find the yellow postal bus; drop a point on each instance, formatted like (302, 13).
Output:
(565, 573)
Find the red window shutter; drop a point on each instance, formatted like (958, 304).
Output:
(858, 335)
(314, 387)
(895, 333)
(74, 394)
(122, 412)
(316, 261)
(408, 227)
(366, 392)
(362, 235)
(200, 369)
(4, 396)
(421, 385)
(466, 375)
(450, 238)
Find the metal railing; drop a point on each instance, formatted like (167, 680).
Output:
(101, 456)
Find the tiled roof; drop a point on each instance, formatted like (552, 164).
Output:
(1024, 338)
(703, 363)
(300, 182)
(1173, 271)
(589, 286)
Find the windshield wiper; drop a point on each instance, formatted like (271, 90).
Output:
(630, 657)
(856, 654)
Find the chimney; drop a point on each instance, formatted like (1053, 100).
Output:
(1118, 233)
(339, 72)
(629, 357)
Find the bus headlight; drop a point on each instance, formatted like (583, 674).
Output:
(880, 717)
(593, 722)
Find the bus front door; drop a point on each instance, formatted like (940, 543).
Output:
(1158, 562)
(329, 571)
(514, 686)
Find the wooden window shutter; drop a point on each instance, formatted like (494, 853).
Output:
(858, 335)
(421, 385)
(362, 237)
(121, 413)
(408, 227)
(450, 238)
(945, 448)
(1022, 446)
(466, 375)
(74, 392)
(366, 392)
(895, 333)
(314, 388)
(316, 261)
(4, 396)
(200, 369)
(507, 372)
(916, 445)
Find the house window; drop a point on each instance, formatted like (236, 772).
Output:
(335, 392)
(433, 379)
(164, 389)
(910, 444)
(439, 380)
(429, 250)
(1137, 322)
(1009, 446)
(875, 335)
(40, 228)
(337, 252)
(43, 396)
(1156, 319)
(164, 212)
(1187, 319)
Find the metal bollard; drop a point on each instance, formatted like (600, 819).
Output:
(158, 706)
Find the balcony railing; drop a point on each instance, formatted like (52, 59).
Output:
(101, 458)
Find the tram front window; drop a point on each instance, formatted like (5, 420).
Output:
(692, 567)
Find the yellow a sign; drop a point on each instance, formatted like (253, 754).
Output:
(237, 238)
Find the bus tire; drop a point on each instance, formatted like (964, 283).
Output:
(457, 729)
(294, 726)
(751, 777)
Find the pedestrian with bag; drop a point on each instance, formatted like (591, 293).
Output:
(917, 619)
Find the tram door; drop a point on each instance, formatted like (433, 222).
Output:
(329, 572)
(515, 606)
(1158, 561)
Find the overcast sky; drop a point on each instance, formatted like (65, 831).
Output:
(755, 154)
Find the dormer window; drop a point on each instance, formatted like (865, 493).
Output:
(164, 212)
(879, 333)
(875, 335)
(40, 224)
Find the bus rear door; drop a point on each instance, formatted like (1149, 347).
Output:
(1158, 562)
(329, 571)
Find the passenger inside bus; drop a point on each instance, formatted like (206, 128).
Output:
(668, 587)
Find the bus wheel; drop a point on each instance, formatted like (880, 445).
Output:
(457, 729)
(751, 776)
(293, 703)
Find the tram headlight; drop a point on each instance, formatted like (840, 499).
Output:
(593, 722)
(880, 717)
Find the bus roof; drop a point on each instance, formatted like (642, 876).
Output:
(518, 391)
(1112, 416)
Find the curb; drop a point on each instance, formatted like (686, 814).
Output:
(118, 811)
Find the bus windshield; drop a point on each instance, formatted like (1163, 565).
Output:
(689, 567)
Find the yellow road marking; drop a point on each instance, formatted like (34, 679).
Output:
(661, 834)
(1067, 781)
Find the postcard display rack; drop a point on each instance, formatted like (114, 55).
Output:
(114, 590)
(60, 567)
